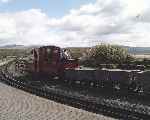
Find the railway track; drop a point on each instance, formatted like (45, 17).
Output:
(72, 100)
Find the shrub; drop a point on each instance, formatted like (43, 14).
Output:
(107, 54)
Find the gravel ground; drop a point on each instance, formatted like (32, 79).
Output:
(18, 105)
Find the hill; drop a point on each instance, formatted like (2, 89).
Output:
(132, 50)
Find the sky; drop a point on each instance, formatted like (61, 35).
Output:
(75, 23)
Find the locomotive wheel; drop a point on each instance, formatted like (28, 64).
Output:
(91, 84)
(97, 85)
(101, 85)
(69, 82)
(132, 87)
(83, 83)
(140, 89)
(117, 86)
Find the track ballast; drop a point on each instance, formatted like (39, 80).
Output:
(72, 100)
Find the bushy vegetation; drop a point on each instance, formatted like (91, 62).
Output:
(107, 54)
(102, 56)
(77, 52)
(13, 52)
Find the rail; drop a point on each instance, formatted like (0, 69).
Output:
(71, 100)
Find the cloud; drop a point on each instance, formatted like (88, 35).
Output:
(110, 21)
(5, 1)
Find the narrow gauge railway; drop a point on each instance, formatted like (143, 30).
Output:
(72, 100)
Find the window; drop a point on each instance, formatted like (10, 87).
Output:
(49, 54)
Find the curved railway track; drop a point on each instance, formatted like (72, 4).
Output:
(72, 100)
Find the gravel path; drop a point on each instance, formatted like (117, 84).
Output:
(18, 105)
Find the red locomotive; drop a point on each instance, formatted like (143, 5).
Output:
(52, 61)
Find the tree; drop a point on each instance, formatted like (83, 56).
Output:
(108, 54)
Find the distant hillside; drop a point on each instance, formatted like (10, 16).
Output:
(132, 50)
(139, 50)
(12, 46)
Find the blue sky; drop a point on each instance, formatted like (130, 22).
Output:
(69, 23)
(53, 8)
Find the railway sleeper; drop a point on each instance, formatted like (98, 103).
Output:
(83, 104)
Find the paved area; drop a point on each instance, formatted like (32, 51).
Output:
(19, 105)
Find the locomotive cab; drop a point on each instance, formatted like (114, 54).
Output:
(51, 60)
